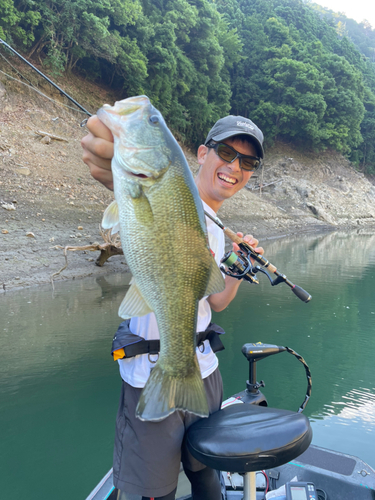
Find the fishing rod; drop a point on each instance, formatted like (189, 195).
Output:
(45, 77)
(235, 265)
(239, 266)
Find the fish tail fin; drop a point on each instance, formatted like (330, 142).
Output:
(165, 393)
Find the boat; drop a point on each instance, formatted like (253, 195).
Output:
(263, 453)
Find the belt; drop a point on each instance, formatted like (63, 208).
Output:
(127, 345)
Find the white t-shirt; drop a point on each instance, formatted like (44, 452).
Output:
(135, 371)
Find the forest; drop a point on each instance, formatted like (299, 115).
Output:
(303, 74)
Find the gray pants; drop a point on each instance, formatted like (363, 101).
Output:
(147, 455)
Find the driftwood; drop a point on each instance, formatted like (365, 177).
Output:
(52, 136)
(262, 186)
(110, 247)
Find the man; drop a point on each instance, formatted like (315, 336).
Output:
(147, 454)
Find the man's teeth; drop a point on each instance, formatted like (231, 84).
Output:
(227, 179)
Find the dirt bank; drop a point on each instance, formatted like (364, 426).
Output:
(48, 198)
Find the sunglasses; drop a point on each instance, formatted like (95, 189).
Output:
(228, 154)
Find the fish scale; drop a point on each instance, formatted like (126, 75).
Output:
(164, 240)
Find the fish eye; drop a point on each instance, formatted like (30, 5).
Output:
(153, 119)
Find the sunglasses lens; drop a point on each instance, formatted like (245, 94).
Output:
(228, 154)
(250, 163)
(225, 153)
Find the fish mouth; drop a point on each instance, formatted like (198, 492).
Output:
(122, 111)
(151, 176)
(139, 176)
(128, 106)
(133, 165)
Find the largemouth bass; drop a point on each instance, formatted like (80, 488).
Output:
(160, 216)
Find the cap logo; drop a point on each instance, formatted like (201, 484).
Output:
(245, 124)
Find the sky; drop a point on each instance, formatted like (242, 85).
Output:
(357, 10)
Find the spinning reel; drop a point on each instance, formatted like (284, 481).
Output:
(239, 266)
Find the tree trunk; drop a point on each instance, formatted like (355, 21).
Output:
(35, 47)
(364, 157)
(75, 62)
(41, 47)
(113, 75)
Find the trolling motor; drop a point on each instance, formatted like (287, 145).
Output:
(245, 438)
(239, 266)
(254, 353)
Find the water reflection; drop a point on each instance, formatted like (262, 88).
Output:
(39, 325)
(348, 425)
(59, 386)
(334, 333)
(358, 406)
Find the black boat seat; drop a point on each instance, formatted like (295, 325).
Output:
(245, 438)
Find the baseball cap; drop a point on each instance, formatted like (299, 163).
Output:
(236, 125)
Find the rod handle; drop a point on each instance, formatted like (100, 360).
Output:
(232, 235)
(301, 293)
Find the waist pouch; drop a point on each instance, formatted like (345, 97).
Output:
(127, 345)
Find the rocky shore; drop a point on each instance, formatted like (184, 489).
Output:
(48, 199)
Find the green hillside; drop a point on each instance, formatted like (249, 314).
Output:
(304, 75)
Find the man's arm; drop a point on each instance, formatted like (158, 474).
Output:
(219, 301)
(98, 151)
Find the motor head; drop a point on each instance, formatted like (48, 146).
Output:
(255, 352)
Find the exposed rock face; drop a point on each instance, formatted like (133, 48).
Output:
(59, 202)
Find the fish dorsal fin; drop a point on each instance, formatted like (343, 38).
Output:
(133, 304)
(216, 282)
(111, 216)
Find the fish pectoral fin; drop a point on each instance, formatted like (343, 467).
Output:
(143, 211)
(133, 304)
(111, 217)
(216, 282)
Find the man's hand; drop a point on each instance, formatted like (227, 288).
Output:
(98, 151)
(250, 240)
(219, 301)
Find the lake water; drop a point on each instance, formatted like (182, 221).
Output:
(59, 387)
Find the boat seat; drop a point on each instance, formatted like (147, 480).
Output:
(245, 438)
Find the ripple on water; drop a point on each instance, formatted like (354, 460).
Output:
(357, 406)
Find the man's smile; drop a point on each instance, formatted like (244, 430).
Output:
(227, 178)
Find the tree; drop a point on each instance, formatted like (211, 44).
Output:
(17, 24)
(365, 154)
(71, 30)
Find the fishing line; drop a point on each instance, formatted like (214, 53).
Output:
(15, 69)
(41, 93)
(45, 77)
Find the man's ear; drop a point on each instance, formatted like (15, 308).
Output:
(202, 154)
